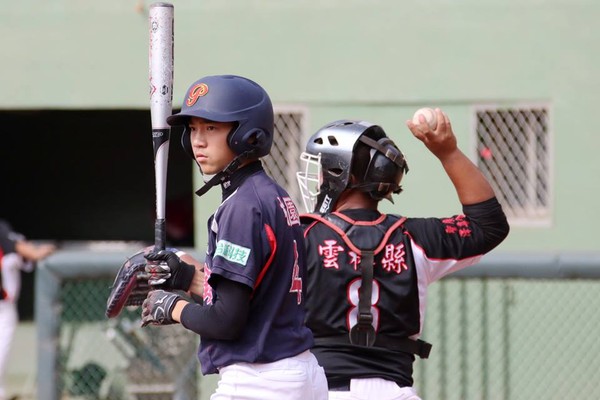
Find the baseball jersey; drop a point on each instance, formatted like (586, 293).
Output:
(255, 238)
(414, 252)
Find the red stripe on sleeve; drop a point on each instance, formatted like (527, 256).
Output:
(273, 244)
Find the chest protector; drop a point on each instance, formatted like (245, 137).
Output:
(367, 239)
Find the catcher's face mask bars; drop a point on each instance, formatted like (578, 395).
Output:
(309, 180)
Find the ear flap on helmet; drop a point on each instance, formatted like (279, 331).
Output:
(386, 147)
(252, 140)
(385, 168)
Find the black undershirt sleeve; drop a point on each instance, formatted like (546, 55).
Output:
(225, 318)
(491, 218)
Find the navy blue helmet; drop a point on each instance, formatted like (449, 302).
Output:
(230, 98)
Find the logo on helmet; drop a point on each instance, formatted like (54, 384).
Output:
(196, 92)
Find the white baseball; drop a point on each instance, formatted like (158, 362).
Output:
(429, 115)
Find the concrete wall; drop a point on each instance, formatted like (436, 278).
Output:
(375, 60)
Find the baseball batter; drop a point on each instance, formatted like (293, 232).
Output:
(251, 319)
(16, 254)
(368, 272)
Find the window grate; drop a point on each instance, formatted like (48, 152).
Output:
(284, 160)
(513, 147)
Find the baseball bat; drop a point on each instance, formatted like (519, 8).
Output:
(161, 43)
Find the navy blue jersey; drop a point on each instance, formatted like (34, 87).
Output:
(255, 238)
(412, 254)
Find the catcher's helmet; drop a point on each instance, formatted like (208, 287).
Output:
(230, 98)
(344, 148)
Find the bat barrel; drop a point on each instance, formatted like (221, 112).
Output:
(161, 25)
(161, 63)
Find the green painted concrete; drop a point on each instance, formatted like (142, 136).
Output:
(376, 60)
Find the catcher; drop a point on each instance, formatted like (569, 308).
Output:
(368, 272)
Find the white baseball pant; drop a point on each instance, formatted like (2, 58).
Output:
(374, 389)
(294, 378)
(8, 323)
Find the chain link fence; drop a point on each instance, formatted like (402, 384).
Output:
(517, 328)
(502, 338)
(84, 355)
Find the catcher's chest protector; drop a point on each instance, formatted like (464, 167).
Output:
(359, 236)
(367, 239)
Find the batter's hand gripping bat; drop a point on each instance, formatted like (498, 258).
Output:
(161, 101)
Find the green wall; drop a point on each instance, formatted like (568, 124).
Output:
(376, 60)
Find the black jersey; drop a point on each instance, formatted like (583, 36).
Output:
(413, 253)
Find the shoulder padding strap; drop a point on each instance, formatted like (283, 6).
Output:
(363, 333)
(334, 227)
(340, 224)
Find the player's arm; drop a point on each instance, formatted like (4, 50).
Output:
(11, 241)
(224, 319)
(488, 223)
(33, 252)
(196, 288)
(471, 185)
(473, 189)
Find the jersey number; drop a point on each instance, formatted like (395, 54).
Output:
(352, 293)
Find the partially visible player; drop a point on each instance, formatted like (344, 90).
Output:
(368, 272)
(16, 254)
(251, 322)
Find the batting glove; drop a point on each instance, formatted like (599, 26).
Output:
(168, 271)
(158, 307)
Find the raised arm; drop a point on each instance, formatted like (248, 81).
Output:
(470, 183)
(32, 251)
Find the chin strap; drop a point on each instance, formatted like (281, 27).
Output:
(223, 175)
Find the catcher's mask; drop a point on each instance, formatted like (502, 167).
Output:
(230, 98)
(348, 148)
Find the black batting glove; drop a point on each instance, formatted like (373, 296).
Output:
(168, 271)
(158, 307)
